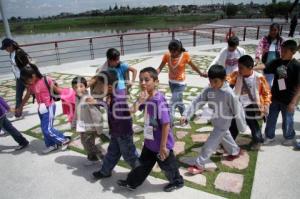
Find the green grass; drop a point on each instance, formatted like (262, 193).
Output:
(109, 22)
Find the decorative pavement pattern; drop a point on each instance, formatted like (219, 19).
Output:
(228, 179)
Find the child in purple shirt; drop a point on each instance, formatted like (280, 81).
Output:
(159, 140)
(8, 127)
(120, 125)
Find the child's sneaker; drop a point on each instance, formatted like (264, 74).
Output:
(255, 146)
(297, 145)
(233, 157)
(22, 146)
(288, 142)
(66, 143)
(90, 162)
(268, 141)
(124, 184)
(98, 175)
(2, 133)
(171, 187)
(195, 169)
(50, 149)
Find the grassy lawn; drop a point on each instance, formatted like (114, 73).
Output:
(109, 22)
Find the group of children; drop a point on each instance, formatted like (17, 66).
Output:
(237, 94)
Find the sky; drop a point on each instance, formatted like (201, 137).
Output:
(35, 8)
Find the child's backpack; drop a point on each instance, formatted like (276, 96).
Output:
(55, 95)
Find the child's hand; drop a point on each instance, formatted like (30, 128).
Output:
(19, 111)
(90, 101)
(129, 84)
(163, 153)
(204, 74)
(12, 110)
(265, 110)
(183, 120)
(291, 108)
(143, 97)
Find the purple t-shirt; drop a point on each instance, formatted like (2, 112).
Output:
(159, 114)
(3, 107)
(119, 118)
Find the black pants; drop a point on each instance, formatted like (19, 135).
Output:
(148, 159)
(252, 123)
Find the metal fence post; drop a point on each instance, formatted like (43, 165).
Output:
(149, 42)
(194, 37)
(245, 32)
(92, 49)
(281, 27)
(257, 34)
(57, 53)
(173, 35)
(122, 45)
(213, 37)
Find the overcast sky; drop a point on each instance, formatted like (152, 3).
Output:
(35, 8)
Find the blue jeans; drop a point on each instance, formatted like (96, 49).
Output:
(269, 78)
(120, 146)
(9, 128)
(20, 87)
(51, 135)
(287, 121)
(177, 97)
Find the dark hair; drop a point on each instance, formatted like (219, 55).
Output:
(112, 54)
(233, 41)
(278, 37)
(28, 71)
(246, 61)
(107, 77)
(176, 45)
(217, 71)
(79, 79)
(153, 73)
(291, 45)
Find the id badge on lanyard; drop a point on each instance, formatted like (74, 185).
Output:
(148, 130)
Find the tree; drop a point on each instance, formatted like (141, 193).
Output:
(110, 9)
(270, 11)
(116, 7)
(231, 10)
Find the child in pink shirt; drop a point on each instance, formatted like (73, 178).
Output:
(36, 84)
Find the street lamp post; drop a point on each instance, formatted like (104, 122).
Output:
(5, 21)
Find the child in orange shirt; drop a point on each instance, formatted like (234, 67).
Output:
(177, 58)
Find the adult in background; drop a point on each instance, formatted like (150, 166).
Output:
(19, 59)
(268, 49)
(294, 23)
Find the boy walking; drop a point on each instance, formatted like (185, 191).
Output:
(285, 93)
(254, 93)
(159, 140)
(225, 105)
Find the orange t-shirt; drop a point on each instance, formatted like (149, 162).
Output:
(177, 65)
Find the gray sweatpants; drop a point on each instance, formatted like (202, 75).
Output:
(217, 137)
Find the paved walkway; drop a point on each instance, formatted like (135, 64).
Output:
(29, 174)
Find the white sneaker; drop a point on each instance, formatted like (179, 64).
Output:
(2, 133)
(268, 141)
(90, 163)
(289, 142)
(50, 149)
(65, 144)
